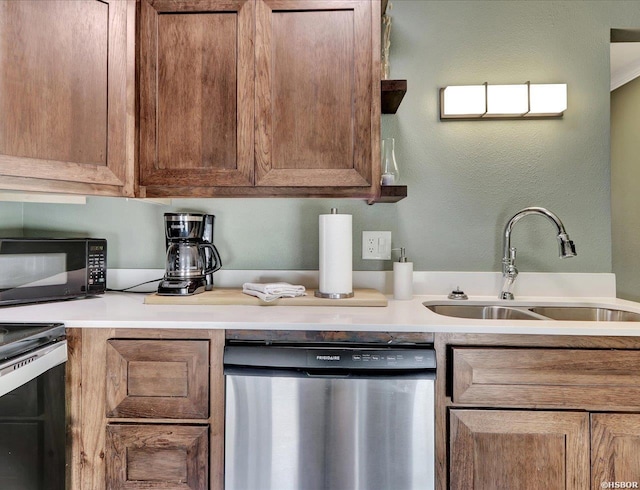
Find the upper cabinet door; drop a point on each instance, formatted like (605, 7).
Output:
(314, 92)
(196, 93)
(67, 96)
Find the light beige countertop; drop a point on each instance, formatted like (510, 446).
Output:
(127, 310)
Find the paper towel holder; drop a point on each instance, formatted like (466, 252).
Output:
(319, 294)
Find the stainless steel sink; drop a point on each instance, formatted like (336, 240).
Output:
(485, 312)
(586, 314)
(533, 312)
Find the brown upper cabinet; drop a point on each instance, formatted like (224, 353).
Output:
(259, 98)
(196, 94)
(234, 97)
(67, 74)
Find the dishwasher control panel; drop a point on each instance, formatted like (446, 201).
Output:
(330, 358)
(371, 358)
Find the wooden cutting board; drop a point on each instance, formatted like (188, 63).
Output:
(361, 297)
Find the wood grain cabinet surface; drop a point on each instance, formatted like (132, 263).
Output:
(67, 94)
(158, 378)
(586, 379)
(615, 448)
(234, 97)
(196, 93)
(530, 450)
(260, 98)
(145, 409)
(519, 450)
(157, 457)
(314, 93)
(537, 412)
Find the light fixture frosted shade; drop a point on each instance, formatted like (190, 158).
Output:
(508, 100)
(550, 98)
(464, 100)
(503, 101)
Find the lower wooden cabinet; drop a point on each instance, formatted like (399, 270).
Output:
(158, 378)
(615, 450)
(157, 456)
(529, 449)
(493, 449)
(145, 409)
(537, 412)
(583, 379)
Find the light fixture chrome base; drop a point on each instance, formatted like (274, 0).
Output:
(319, 294)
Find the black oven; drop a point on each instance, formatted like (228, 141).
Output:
(32, 406)
(43, 269)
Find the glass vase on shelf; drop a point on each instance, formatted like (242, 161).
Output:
(390, 172)
(386, 41)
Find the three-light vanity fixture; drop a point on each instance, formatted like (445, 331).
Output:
(522, 101)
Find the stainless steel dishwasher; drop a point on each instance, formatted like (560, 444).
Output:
(322, 417)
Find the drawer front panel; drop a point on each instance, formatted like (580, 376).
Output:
(157, 456)
(158, 379)
(589, 379)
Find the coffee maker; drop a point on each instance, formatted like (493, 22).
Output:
(191, 256)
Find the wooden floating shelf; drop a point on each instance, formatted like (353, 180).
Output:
(392, 93)
(391, 193)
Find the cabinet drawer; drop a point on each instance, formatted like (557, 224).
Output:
(588, 379)
(157, 456)
(158, 379)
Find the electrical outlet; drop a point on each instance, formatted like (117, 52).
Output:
(376, 245)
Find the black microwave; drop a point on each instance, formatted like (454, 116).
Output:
(47, 269)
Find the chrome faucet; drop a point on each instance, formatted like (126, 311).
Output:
(509, 271)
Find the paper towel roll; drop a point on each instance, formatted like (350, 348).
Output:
(335, 256)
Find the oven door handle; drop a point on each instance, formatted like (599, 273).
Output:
(21, 370)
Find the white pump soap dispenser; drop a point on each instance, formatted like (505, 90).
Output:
(402, 277)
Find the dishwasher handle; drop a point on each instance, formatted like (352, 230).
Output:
(428, 374)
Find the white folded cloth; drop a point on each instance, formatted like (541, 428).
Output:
(273, 290)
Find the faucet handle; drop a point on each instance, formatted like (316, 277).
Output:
(508, 263)
(510, 257)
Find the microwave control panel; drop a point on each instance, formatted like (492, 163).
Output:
(97, 266)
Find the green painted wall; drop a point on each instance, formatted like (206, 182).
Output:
(625, 198)
(465, 178)
(11, 219)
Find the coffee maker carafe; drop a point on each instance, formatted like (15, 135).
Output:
(191, 256)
